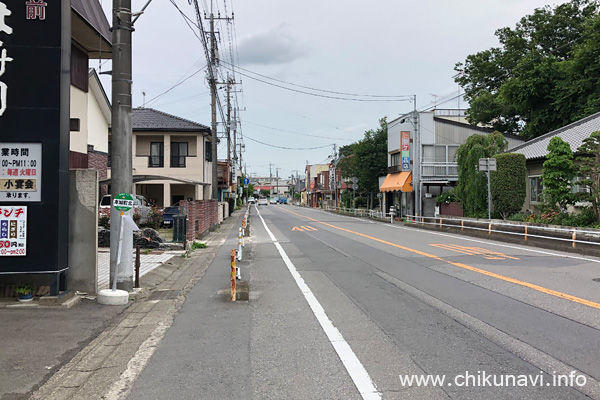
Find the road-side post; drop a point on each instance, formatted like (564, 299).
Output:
(233, 275)
(239, 255)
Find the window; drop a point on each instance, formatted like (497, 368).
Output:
(452, 153)
(535, 194)
(396, 159)
(156, 155)
(435, 153)
(179, 151)
(575, 188)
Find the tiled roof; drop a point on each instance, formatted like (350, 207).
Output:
(149, 119)
(573, 134)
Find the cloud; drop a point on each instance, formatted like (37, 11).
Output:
(273, 47)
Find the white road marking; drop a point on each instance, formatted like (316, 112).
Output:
(357, 371)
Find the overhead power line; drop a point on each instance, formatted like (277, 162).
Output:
(296, 133)
(286, 148)
(400, 97)
(320, 95)
(175, 85)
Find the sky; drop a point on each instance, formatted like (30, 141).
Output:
(392, 48)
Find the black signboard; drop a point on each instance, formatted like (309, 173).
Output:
(35, 43)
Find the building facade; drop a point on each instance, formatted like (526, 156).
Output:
(171, 158)
(421, 164)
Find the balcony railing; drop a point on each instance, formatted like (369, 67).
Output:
(156, 161)
(440, 169)
(178, 161)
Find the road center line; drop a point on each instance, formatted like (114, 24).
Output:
(355, 369)
(465, 266)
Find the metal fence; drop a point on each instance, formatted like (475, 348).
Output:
(572, 236)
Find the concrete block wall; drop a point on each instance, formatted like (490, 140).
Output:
(83, 231)
(202, 216)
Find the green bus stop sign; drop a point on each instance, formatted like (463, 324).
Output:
(123, 202)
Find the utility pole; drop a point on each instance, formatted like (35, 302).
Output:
(417, 155)
(270, 180)
(277, 180)
(213, 107)
(228, 88)
(121, 157)
(212, 77)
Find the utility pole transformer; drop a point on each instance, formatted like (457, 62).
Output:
(121, 136)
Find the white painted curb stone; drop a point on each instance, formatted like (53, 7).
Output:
(113, 297)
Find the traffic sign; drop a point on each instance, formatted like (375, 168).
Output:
(487, 164)
(246, 181)
(123, 202)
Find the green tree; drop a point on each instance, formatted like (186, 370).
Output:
(544, 74)
(472, 184)
(558, 173)
(589, 170)
(367, 160)
(508, 184)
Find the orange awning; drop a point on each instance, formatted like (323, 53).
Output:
(400, 181)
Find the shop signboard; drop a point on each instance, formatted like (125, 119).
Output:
(35, 56)
(405, 144)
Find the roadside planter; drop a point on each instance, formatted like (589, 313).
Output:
(25, 293)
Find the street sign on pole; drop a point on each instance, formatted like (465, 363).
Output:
(123, 202)
(246, 181)
(488, 165)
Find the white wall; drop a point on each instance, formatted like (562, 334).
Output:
(79, 109)
(97, 124)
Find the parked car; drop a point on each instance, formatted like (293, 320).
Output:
(263, 201)
(168, 214)
(274, 200)
(251, 200)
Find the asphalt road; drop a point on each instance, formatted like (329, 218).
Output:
(346, 308)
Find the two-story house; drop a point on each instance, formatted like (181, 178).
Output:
(89, 106)
(421, 164)
(171, 157)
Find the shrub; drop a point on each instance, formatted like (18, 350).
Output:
(447, 197)
(517, 217)
(104, 217)
(508, 184)
(155, 215)
(360, 202)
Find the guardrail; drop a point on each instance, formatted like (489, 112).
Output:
(527, 231)
(571, 235)
(359, 212)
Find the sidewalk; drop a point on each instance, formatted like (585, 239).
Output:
(71, 354)
(148, 262)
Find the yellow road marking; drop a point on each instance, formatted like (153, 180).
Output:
(468, 267)
(304, 228)
(475, 251)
